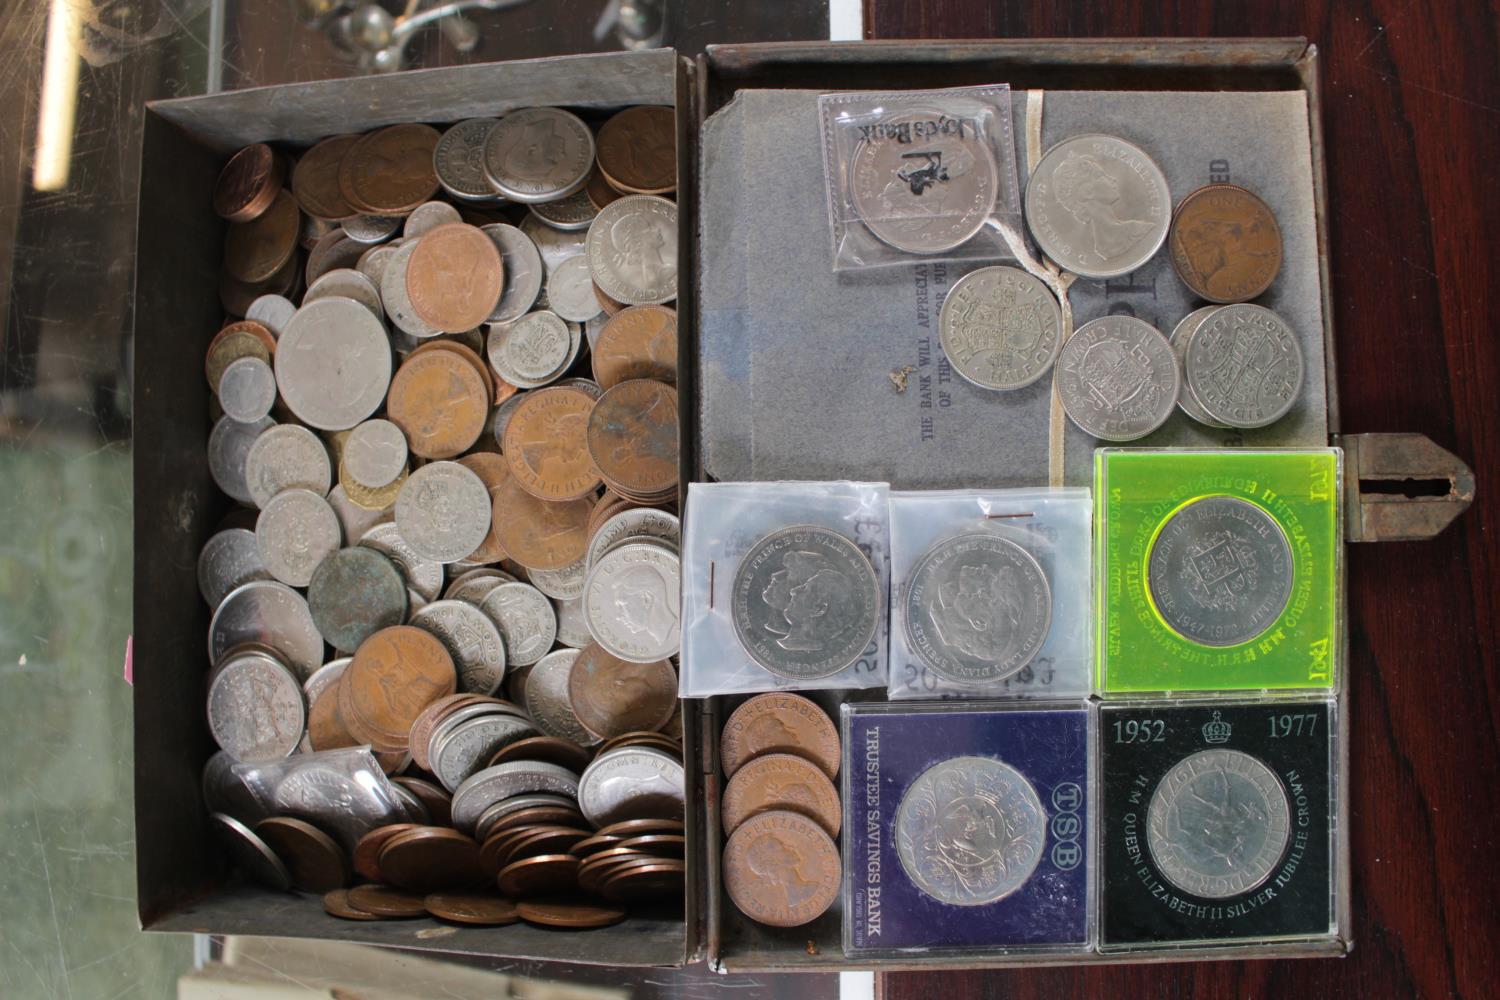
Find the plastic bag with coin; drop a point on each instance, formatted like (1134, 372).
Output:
(919, 175)
(784, 587)
(344, 793)
(990, 593)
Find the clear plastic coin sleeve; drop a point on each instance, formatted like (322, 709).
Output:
(784, 587)
(990, 594)
(308, 785)
(919, 175)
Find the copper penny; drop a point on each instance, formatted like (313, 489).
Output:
(541, 840)
(454, 277)
(325, 729)
(438, 802)
(640, 827)
(609, 305)
(481, 911)
(594, 870)
(313, 859)
(551, 749)
(540, 534)
(254, 251)
(637, 342)
(1225, 243)
(632, 437)
(393, 675)
(642, 882)
(660, 741)
(779, 723)
(593, 845)
(465, 352)
(389, 171)
(439, 402)
(786, 782)
(577, 916)
(336, 904)
(664, 845)
(385, 901)
(367, 849)
(493, 470)
(248, 183)
(537, 816)
(781, 869)
(598, 189)
(547, 446)
(493, 848)
(315, 180)
(541, 875)
(430, 858)
(638, 150)
(612, 696)
(235, 341)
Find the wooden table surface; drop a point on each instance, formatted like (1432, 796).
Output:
(1411, 117)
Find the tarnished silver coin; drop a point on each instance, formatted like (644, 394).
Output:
(354, 519)
(632, 250)
(1098, 206)
(555, 245)
(638, 522)
(347, 283)
(375, 453)
(1181, 336)
(572, 626)
(474, 585)
(423, 576)
(324, 678)
(1000, 327)
(1117, 378)
(463, 715)
(371, 228)
(287, 456)
(470, 746)
(525, 618)
(978, 608)
(272, 312)
(503, 413)
(270, 614)
(538, 154)
(522, 268)
(522, 777)
(564, 583)
(631, 602)
(333, 364)
(296, 530)
(354, 593)
(472, 639)
(1244, 366)
(925, 196)
(372, 263)
(806, 602)
(570, 291)
(574, 212)
(588, 385)
(229, 445)
(250, 854)
(1220, 571)
(228, 559)
(427, 217)
(548, 702)
(1218, 823)
(398, 307)
(632, 783)
(255, 707)
(458, 159)
(443, 511)
(531, 351)
(970, 830)
(247, 389)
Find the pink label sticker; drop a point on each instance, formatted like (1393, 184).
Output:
(130, 660)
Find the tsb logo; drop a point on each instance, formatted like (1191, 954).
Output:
(1067, 826)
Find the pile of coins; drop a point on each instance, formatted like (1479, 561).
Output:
(781, 810)
(445, 402)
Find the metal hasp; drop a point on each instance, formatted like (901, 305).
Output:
(1401, 487)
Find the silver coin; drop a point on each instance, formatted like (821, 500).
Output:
(286, 456)
(472, 639)
(423, 576)
(371, 228)
(272, 312)
(1000, 327)
(470, 746)
(375, 453)
(631, 602)
(458, 159)
(632, 250)
(503, 781)
(347, 283)
(427, 217)
(548, 702)
(354, 593)
(522, 267)
(473, 587)
(443, 511)
(564, 583)
(1098, 206)
(538, 154)
(1244, 366)
(553, 244)
(397, 303)
(632, 783)
(228, 559)
(324, 678)
(354, 519)
(574, 212)
(250, 854)
(978, 608)
(1220, 571)
(296, 530)
(333, 364)
(229, 445)
(503, 414)
(970, 830)
(515, 803)
(593, 328)
(928, 196)
(570, 291)
(226, 792)
(1218, 823)
(1182, 335)
(270, 614)
(525, 619)
(372, 263)
(588, 385)
(247, 390)
(255, 708)
(453, 721)
(531, 351)
(638, 522)
(332, 251)
(572, 626)
(1117, 378)
(344, 802)
(805, 603)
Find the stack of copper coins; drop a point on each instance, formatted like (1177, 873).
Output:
(781, 811)
(444, 405)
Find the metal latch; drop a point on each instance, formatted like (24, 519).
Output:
(1401, 487)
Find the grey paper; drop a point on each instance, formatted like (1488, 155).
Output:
(797, 362)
